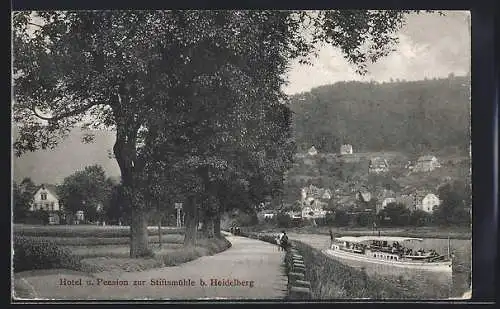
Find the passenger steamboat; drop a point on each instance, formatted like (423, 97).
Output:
(388, 251)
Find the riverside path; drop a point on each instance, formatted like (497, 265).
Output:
(250, 269)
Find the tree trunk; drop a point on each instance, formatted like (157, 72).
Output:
(125, 154)
(139, 234)
(216, 223)
(210, 227)
(191, 222)
(159, 231)
(205, 225)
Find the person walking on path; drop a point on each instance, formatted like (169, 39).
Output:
(331, 238)
(278, 240)
(284, 241)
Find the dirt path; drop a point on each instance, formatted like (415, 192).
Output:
(253, 267)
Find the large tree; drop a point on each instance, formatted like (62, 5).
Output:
(122, 69)
(86, 190)
(455, 204)
(398, 214)
(23, 195)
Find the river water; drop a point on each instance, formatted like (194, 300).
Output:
(420, 284)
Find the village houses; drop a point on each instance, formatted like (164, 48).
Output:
(419, 199)
(426, 164)
(378, 165)
(314, 200)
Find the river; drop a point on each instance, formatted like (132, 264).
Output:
(421, 284)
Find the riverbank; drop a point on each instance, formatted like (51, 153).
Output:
(418, 232)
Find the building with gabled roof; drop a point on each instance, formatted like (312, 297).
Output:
(378, 165)
(426, 163)
(346, 149)
(46, 199)
(312, 151)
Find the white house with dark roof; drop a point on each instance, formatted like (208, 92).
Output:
(46, 199)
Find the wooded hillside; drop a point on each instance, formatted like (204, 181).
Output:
(411, 117)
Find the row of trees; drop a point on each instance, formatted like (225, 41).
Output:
(194, 96)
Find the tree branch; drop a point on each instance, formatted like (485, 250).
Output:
(36, 25)
(63, 115)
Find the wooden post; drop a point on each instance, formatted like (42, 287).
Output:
(448, 247)
(159, 232)
(178, 207)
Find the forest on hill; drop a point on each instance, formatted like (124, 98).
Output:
(407, 116)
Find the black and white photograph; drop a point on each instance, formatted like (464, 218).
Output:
(277, 155)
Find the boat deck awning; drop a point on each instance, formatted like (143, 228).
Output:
(360, 239)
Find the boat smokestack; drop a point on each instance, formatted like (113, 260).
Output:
(448, 247)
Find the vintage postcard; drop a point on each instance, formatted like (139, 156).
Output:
(241, 155)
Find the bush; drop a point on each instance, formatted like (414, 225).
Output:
(283, 220)
(340, 218)
(420, 218)
(365, 219)
(204, 246)
(174, 257)
(37, 217)
(31, 254)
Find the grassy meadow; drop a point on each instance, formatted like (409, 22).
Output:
(91, 248)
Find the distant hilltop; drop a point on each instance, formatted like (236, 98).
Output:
(409, 117)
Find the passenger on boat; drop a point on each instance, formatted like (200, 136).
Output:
(421, 252)
(433, 253)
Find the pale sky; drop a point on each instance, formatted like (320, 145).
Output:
(429, 46)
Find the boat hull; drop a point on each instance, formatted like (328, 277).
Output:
(445, 266)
